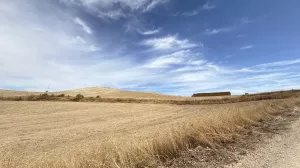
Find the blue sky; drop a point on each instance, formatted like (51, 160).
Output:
(167, 46)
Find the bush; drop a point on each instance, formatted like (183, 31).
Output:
(30, 97)
(44, 96)
(18, 99)
(61, 95)
(97, 97)
(78, 97)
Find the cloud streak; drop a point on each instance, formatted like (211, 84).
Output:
(280, 63)
(247, 47)
(84, 26)
(149, 32)
(114, 10)
(208, 6)
(168, 43)
(210, 32)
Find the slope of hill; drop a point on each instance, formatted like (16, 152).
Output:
(95, 91)
(114, 93)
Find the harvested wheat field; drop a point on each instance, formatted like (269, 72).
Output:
(86, 134)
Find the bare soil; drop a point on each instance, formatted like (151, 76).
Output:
(283, 150)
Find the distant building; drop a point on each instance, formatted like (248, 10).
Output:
(211, 94)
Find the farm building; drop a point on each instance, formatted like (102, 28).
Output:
(211, 94)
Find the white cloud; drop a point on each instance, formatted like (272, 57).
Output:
(195, 77)
(196, 62)
(33, 58)
(192, 13)
(168, 43)
(115, 9)
(149, 32)
(245, 20)
(78, 40)
(164, 62)
(210, 32)
(208, 6)
(279, 63)
(153, 4)
(168, 60)
(93, 48)
(189, 69)
(84, 26)
(247, 47)
(114, 14)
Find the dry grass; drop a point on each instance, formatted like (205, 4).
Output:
(85, 134)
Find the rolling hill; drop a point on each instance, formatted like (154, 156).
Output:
(103, 92)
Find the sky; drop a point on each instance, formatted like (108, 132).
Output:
(167, 46)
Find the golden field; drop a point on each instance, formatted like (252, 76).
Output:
(69, 134)
(103, 92)
(96, 134)
(93, 92)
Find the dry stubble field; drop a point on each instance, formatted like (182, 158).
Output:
(86, 134)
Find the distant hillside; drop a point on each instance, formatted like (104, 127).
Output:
(95, 91)
(114, 93)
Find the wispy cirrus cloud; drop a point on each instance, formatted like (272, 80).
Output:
(191, 13)
(246, 20)
(149, 32)
(116, 9)
(83, 24)
(152, 4)
(210, 32)
(241, 21)
(168, 60)
(280, 63)
(168, 43)
(208, 6)
(247, 47)
(189, 69)
(182, 57)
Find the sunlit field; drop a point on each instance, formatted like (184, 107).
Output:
(93, 134)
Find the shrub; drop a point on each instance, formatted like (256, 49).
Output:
(18, 99)
(78, 97)
(30, 97)
(98, 97)
(44, 96)
(61, 95)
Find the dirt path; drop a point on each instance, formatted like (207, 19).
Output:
(282, 151)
